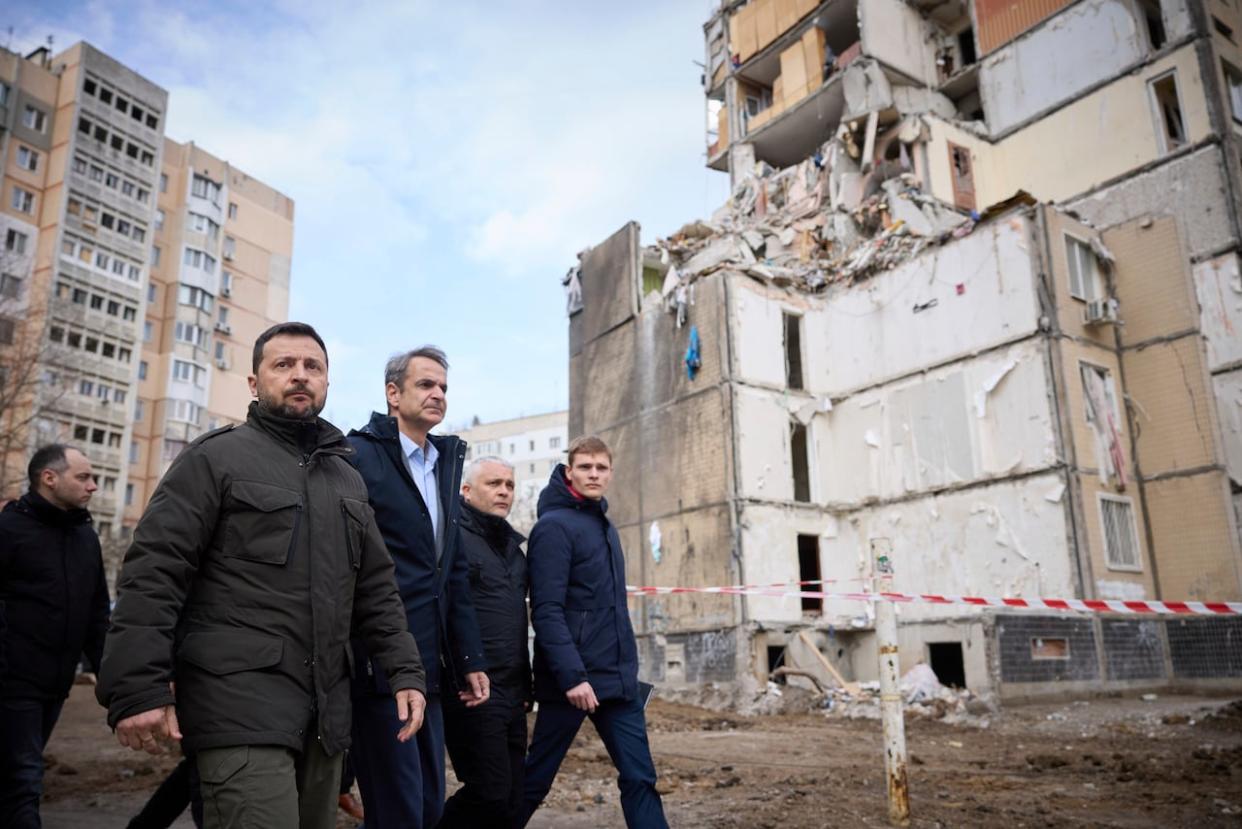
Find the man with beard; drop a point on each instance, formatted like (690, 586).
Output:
(255, 561)
(53, 609)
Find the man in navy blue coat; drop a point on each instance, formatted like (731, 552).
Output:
(586, 660)
(412, 481)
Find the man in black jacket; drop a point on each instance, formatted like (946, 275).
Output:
(53, 608)
(488, 744)
(256, 559)
(412, 479)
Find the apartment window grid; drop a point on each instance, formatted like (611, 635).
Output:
(27, 158)
(1121, 547)
(22, 200)
(34, 118)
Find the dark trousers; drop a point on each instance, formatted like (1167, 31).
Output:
(25, 725)
(487, 745)
(623, 728)
(179, 789)
(402, 784)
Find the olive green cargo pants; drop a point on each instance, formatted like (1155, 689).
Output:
(269, 787)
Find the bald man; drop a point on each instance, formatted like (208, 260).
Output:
(487, 743)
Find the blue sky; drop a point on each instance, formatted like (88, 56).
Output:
(447, 160)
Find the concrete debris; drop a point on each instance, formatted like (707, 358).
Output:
(823, 221)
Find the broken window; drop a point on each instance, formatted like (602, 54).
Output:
(1233, 80)
(963, 177)
(1121, 550)
(966, 46)
(1043, 648)
(947, 663)
(808, 571)
(1084, 270)
(1155, 23)
(1221, 29)
(1104, 418)
(801, 463)
(1171, 127)
(793, 351)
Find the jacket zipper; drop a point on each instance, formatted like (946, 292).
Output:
(304, 463)
(349, 544)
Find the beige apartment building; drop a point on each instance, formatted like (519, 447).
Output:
(977, 292)
(135, 273)
(219, 276)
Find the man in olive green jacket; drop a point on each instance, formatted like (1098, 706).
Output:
(256, 559)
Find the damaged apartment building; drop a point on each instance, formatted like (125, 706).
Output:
(976, 291)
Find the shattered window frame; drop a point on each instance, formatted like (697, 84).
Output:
(1167, 141)
(1075, 249)
(1110, 390)
(1233, 84)
(1123, 521)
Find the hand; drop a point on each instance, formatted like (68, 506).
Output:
(479, 691)
(150, 730)
(410, 707)
(582, 697)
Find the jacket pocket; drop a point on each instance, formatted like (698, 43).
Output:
(356, 515)
(229, 651)
(577, 625)
(263, 522)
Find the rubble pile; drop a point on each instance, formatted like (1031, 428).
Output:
(825, 220)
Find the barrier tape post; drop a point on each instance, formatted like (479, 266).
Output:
(895, 766)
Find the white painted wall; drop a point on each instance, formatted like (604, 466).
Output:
(1218, 285)
(1008, 539)
(896, 34)
(1228, 388)
(762, 423)
(1078, 48)
(858, 336)
(985, 417)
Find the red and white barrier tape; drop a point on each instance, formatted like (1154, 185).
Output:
(1083, 605)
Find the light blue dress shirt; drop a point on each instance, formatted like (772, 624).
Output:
(422, 466)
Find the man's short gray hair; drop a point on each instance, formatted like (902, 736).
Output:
(475, 465)
(398, 365)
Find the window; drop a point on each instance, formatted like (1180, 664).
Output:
(554, 443)
(97, 302)
(10, 286)
(1170, 127)
(7, 330)
(124, 355)
(114, 308)
(4, 94)
(1221, 29)
(808, 571)
(962, 167)
(1233, 82)
(163, 182)
(232, 210)
(148, 331)
(159, 219)
(1154, 20)
(79, 296)
(27, 159)
(1121, 549)
(111, 180)
(532, 448)
(105, 95)
(86, 388)
(140, 408)
(196, 297)
(15, 242)
(23, 200)
(185, 411)
(34, 119)
(155, 256)
(172, 448)
(151, 292)
(152, 121)
(142, 368)
(89, 86)
(230, 247)
(224, 316)
(205, 188)
(1084, 270)
(226, 283)
(798, 447)
(202, 224)
(793, 351)
(79, 166)
(198, 259)
(129, 488)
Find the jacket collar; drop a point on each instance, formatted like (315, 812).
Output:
(45, 512)
(307, 436)
(496, 530)
(384, 428)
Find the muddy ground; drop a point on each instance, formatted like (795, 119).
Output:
(1171, 762)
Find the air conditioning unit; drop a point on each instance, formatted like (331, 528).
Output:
(224, 328)
(1101, 311)
(222, 364)
(226, 290)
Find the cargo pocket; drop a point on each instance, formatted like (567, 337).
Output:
(263, 522)
(356, 514)
(228, 652)
(217, 765)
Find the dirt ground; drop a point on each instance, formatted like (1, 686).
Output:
(1174, 761)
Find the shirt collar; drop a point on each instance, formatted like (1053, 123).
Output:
(415, 452)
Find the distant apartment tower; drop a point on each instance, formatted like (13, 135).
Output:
(534, 444)
(135, 273)
(81, 138)
(219, 276)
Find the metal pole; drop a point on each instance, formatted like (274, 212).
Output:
(890, 687)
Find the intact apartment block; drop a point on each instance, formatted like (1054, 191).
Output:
(534, 444)
(133, 271)
(977, 291)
